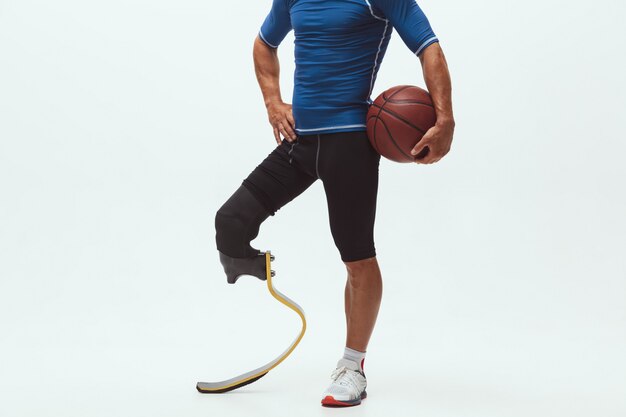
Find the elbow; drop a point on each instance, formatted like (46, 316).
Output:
(261, 43)
(261, 49)
(432, 51)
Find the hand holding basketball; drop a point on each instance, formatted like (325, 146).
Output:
(435, 143)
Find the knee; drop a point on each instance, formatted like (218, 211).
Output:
(362, 269)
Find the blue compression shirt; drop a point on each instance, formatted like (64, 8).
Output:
(339, 46)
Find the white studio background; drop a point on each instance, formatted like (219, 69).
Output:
(124, 125)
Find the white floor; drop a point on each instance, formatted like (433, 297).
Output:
(161, 383)
(426, 357)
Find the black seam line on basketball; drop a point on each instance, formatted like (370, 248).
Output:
(375, 139)
(385, 103)
(394, 142)
(405, 102)
(401, 119)
(378, 116)
(409, 101)
(395, 92)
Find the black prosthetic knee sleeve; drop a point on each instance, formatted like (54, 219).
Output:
(237, 223)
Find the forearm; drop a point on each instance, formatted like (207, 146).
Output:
(437, 78)
(436, 142)
(267, 69)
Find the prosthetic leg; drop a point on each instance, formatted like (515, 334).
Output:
(239, 213)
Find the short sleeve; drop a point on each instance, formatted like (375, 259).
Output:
(410, 22)
(277, 24)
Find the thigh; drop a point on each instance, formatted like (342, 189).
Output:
(277, 180)
(348, 167)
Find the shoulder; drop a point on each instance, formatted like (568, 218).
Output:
(282, 4)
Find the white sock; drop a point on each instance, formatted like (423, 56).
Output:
(355, 356)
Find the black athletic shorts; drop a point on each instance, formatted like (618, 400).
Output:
(346, 163)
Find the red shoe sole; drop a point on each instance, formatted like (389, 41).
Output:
(329, 401)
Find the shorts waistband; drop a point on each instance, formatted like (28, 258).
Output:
(335, 135)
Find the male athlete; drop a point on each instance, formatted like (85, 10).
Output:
(339, 47)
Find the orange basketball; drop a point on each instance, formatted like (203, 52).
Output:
(397, 120)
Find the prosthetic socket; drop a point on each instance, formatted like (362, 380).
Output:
(237, 223)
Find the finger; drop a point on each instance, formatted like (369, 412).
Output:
(277, 135)
(290, 130)
(419, 147)
(292, 122)
(282, 130)
(423, 153)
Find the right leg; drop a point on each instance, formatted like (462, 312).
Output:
(273, 183)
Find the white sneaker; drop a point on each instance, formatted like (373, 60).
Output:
(347, 387)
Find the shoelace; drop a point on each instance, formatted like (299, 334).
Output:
(339, 372)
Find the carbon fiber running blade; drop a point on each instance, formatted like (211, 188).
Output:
(256, 374)
(214, 388)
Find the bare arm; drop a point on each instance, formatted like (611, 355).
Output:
(438, 139)
(267, 69)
